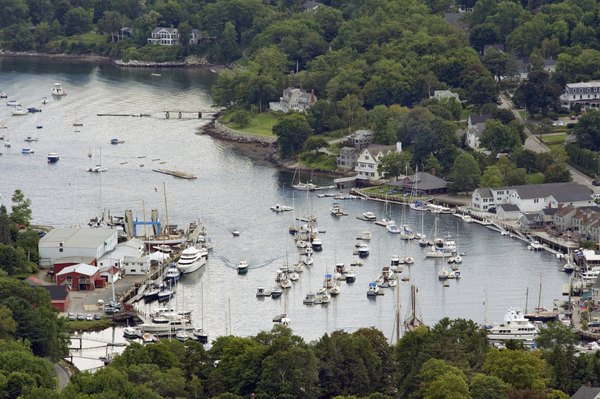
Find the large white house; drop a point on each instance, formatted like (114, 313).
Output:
(294, 100)
(369, 159)
(164, 36)
(67, 242)
(532, 198)
(584, 94)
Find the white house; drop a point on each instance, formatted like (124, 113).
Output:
(369, 159)
(294, 100)
(136, 264)
(532, 198)
(445, 94)
(195, 36)
(66, 242)
(164, 36)
(585, 94)
(475, 129)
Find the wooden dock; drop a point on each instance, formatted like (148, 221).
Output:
(176, 173)
(136, 115)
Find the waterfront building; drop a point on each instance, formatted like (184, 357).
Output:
(422, 183)
(584, 94)
(80, 277)
(164, 36)
(138, 265)
(534, 197)
(59, 294)
(369, 159)
(67, 242)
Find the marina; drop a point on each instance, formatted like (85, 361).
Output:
(237, 192)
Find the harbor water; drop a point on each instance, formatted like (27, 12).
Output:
(235, 191)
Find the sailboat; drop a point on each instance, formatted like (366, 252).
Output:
(540, 314)
(98, 168)
(199, 333)
(303, 186)
(412, 320)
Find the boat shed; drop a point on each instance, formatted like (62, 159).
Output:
(67, 242)
(508, 212)
(80, 277)
(59, 295)
(138, 265)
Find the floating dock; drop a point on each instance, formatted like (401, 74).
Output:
(176, 173)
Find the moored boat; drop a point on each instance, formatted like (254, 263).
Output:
(242, 267)
(373, 290)
(262, 292)
(370, 216)
(192, 259)
(19, 111)
(57, 90)
(363, 250)
(515, 327)
(53, 157)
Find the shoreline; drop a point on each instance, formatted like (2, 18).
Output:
(191, 62)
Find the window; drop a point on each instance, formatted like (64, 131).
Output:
(536, 200)
(60, 249)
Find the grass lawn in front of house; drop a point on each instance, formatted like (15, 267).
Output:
(260, 124)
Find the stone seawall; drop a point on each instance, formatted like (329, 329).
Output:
(218, 130)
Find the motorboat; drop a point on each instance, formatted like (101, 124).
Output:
(116, 141)
(304, 186)
(151, 293)
(363, 250)
(31, 139)
(515, 327)
(57, 90)
(409, 260)
(535, 245)
(336, 210)
(44, 100)
(181, 335)
(281, 208)
(373, 290)
(294, 276)
(366, 235)
(323, 297)
(393, 228)
(235, 232)
(350, 276)
(443, 274)
(370, 216)
(13, 103)
(132, 332)
(3, 94)
(148, 338)
(192, 259)
(167, 329)
(172, 275)
(97, 169)
(242, 267)
(3, 126)
(569, 267)
(309, 299)
(276, 292)
(200, 335)
(26, 151)
(165, 294)
(317, 244)
(53, 157)
(33, 110)
(262, 292)
(19, 111)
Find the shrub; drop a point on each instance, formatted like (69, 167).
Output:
(241, 118)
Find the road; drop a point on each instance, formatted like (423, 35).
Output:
(62, 375)
(533, 143)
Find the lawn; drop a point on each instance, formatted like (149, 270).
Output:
(524, 114)
(260, 124)
(551, 139)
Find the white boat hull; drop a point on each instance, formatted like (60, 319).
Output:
(192, 267)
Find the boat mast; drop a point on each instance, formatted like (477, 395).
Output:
(397, 313)
(526, 298)
(166, 209)
(539, 295)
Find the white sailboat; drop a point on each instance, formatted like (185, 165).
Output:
(98, 168)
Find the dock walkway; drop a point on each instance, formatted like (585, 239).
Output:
(176, 173)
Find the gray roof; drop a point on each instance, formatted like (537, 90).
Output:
(57, 292)
(374, 149)
(427, 181)
(310, 4)
(76, 238)
(485, 192)
(509, 207)
(477, 119)
(562, 192)
(530, 216)
(549, 211)
(585, 392)
(159, 28)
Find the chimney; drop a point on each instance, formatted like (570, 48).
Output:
(398, 146)
(312, 96)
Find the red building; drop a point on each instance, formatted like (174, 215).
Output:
(80, 277)
(59, 295)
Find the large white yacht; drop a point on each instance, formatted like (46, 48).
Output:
(515, 326)
(192, 259)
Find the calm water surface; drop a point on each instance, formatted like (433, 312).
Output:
(232, 191)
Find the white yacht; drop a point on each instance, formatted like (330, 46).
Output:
(192, 259)
(370, 216)
(515, 326)
(281, 208)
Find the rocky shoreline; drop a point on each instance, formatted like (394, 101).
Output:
(258, 147)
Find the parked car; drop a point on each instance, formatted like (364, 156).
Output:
(596, 183)
(97, 316)
(71, 316)
(89, 317)
(80, 316)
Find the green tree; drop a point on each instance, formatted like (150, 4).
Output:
(313, 143)
(538, 94)
(78, 20)
(491, 177)
(21, 211)
(555, 334)
(480, 35)
(519, 369)
(5, 226)
(587, 130)
(483, 90)
(241, 118)
(466, 173)
(322, 117)
(13, 12)
(228, 43)
(442, 380)
(292, 131)
(432, 165)
(498, 137)
(515, 177)
(395, 164)
(352, 111)
(557, 173)
(488, 387)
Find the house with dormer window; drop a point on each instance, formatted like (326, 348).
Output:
(369, 159)
(164, 36)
